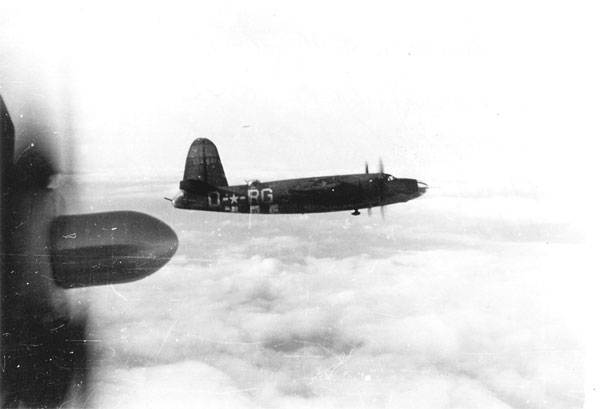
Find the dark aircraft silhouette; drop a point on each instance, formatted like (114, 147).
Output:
(44, 355)
(204, 187)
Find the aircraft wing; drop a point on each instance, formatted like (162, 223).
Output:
(324, 191)
(317, 185)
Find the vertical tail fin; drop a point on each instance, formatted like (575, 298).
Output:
(203, 163)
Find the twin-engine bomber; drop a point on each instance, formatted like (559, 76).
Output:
(204, 187)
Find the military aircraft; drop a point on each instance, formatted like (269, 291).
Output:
(204, 187)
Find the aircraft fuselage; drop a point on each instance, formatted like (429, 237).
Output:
(306, 195)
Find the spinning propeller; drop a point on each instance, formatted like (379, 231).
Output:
(380, 180)
(43, 251)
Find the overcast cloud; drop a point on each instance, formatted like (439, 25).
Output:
(445, 303)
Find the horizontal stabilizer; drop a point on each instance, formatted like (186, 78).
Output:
(196, 186)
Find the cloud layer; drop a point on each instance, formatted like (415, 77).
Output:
(425, 309)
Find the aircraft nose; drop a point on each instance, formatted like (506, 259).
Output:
(422, 187)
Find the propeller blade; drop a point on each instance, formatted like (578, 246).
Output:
(39, 309)
(7, 140)
(380, 182)
(382, 212)
(47, 252)
(367, 168)
(369, 211)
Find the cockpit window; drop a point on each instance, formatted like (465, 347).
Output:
(390, 178)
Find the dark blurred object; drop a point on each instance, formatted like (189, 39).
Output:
(43, 350)
(7, 134)
(44, 358)
(45, 364)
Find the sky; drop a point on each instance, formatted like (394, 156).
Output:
(500, 94)
(470, 296)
